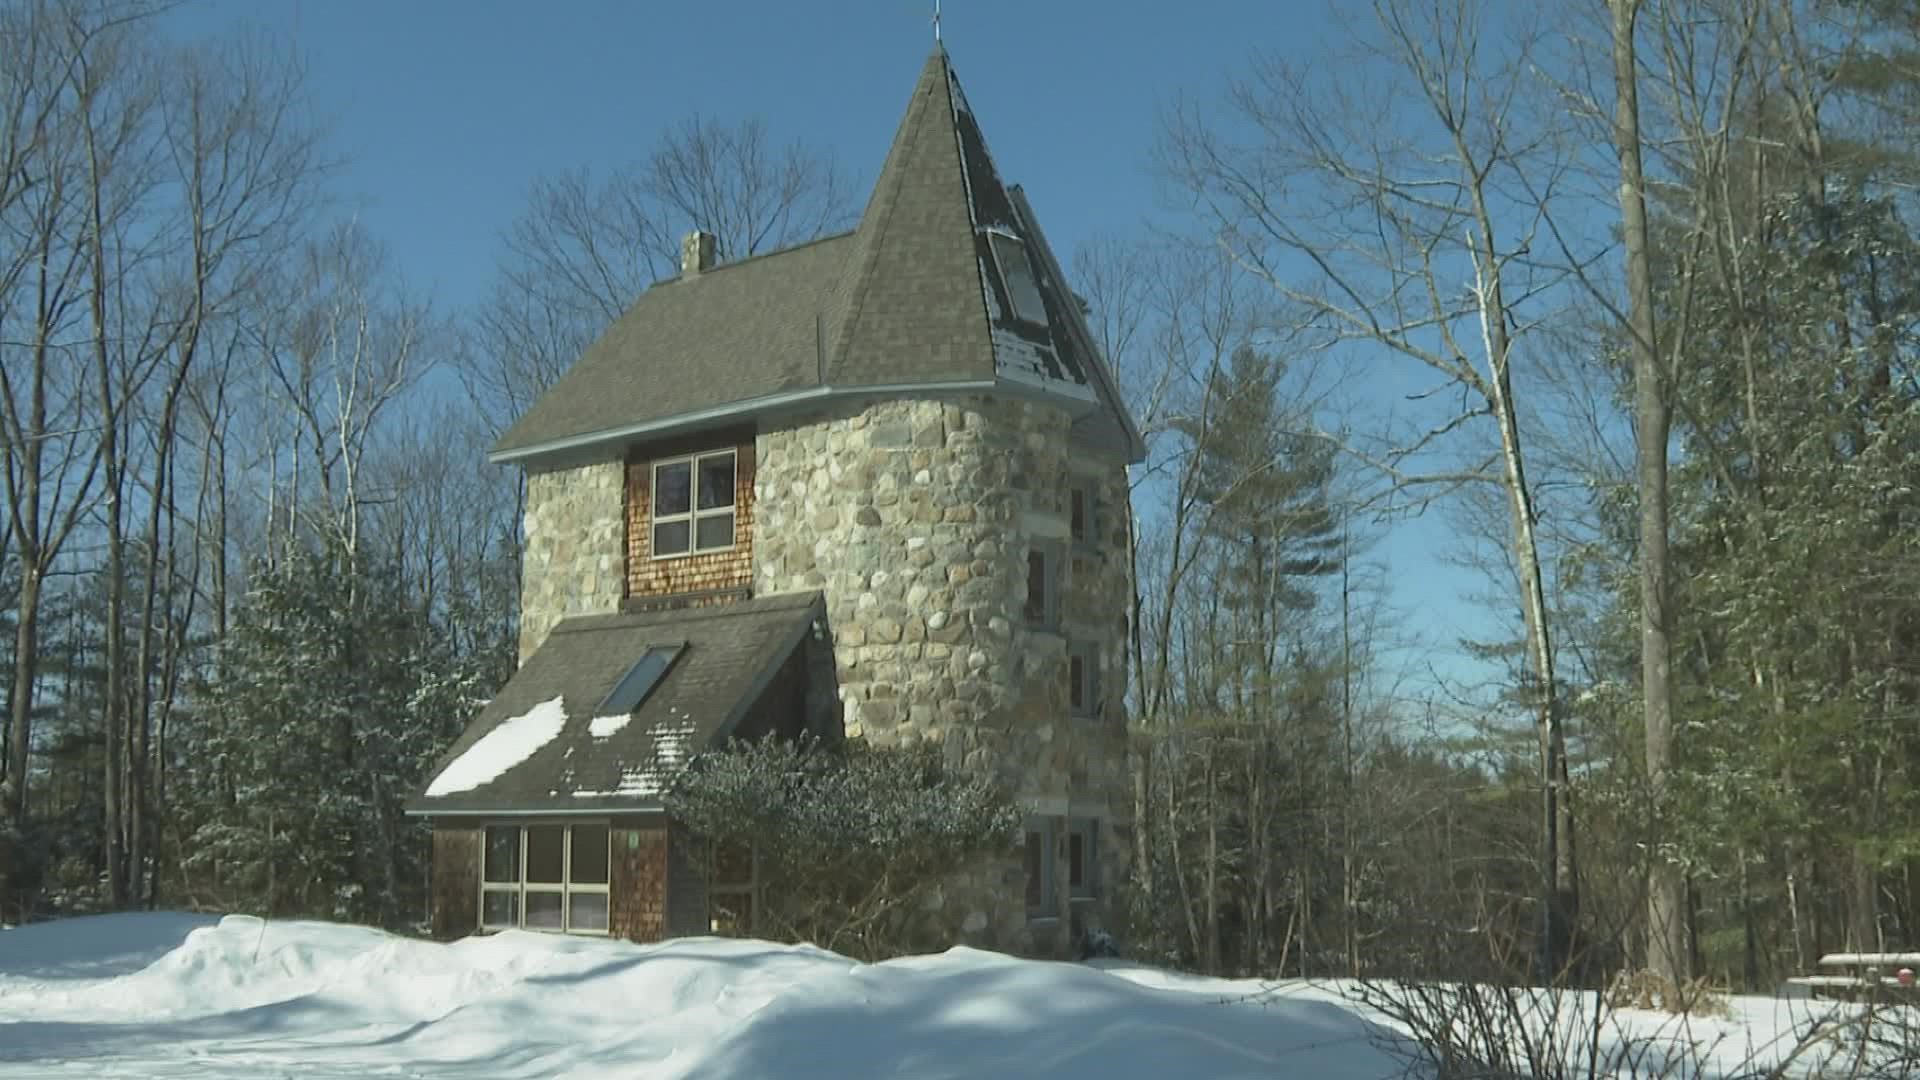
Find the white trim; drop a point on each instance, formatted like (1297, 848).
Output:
(750, 406)
(693, 514)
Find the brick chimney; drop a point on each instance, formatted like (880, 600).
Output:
(696, 253)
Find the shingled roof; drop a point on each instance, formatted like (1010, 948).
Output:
(921, 294)
(538, 746)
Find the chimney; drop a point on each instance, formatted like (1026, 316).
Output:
(696, 253)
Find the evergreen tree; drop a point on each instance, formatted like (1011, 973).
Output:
(329, 699)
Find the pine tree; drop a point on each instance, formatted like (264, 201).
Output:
(329, 699)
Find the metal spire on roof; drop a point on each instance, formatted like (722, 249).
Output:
(936, 21)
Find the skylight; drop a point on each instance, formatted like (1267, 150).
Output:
(1017, 271)
(639, 680)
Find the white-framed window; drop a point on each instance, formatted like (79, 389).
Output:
(546, 877)
(1044, 564)
(1050, 841)
(692, 506)
(1083, 680)
(1016, 269)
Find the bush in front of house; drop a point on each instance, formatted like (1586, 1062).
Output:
(852, 842)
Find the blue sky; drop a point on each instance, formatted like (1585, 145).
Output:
(445, 111)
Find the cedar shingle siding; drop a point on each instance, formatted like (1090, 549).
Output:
(648, 577)
(456, 882)
(638, 886)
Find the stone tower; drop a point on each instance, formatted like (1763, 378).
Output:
(897, 457)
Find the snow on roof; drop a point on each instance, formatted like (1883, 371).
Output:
(604, 727)
(514, 741)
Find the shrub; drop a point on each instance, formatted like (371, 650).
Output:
(852, 839)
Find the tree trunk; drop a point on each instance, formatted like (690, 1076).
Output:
(1667, 951)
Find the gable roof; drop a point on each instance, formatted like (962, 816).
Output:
(538, 746)
(917, 296)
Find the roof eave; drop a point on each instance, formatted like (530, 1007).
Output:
(642, 807)
(722, 414)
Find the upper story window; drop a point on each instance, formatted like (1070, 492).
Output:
(693, 507)
(1079, 513)
(1016, 269)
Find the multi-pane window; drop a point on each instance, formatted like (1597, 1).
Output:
(545, 877)
(693, 504)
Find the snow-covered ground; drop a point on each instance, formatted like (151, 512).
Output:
(161, 995)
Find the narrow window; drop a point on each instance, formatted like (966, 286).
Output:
(1039, 867)
(693, 504)
(1043, 586)
(1016, 269)
(1083, 855)
(1083, 681)
(1077, 513)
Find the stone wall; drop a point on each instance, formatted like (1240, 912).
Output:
(573, 563)
(916, 518)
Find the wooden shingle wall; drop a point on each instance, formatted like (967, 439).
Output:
(650, 578)
(455, 905)
(638, 886)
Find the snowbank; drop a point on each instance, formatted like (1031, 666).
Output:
(162, 995)
(185, 995)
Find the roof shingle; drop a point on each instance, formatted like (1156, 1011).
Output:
(730, 652)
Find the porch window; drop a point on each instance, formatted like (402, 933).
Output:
(693, 507)
(545, 877)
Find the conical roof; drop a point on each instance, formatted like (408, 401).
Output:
(946, 282)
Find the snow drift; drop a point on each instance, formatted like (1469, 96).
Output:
(175, 995)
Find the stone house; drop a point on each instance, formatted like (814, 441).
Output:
(872, 485)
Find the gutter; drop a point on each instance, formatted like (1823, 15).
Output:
(500, 812)
(790, 399)
(733, 411)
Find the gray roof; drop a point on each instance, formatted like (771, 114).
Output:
(731, 652)
(911, 297)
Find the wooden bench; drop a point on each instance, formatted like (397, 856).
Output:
(1866, 975)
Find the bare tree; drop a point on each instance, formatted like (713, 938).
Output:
(1402, 236)
(585, 249)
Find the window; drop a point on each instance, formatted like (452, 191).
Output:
(1039, 869)
(1017, 271)
(545, 877)
(638, 682)
(731, 888)
(693, 504)
(1082, 848)
(1083, 681)
(1045, 848)
(1043, 586)
(1079, 513)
